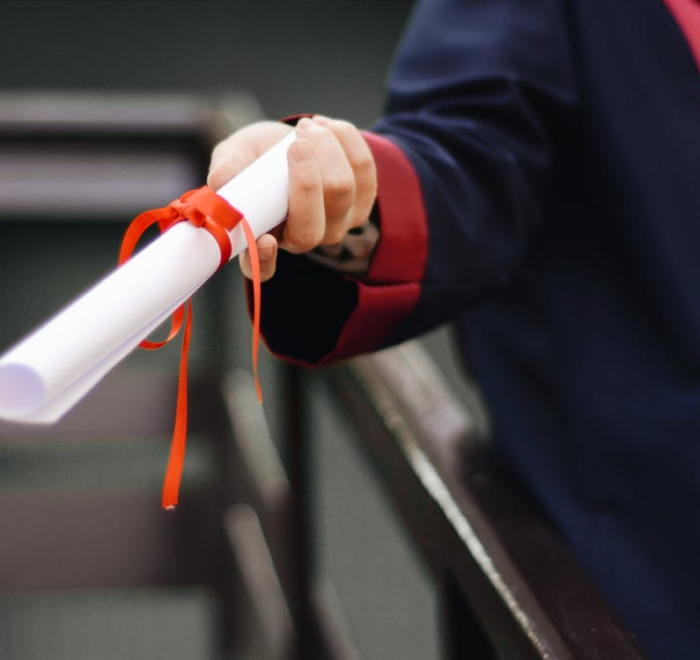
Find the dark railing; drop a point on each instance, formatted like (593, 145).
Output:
(510, 586)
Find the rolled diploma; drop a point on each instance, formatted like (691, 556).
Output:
(47, 373)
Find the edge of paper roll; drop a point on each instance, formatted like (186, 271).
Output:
(21, 390)
(28, 393)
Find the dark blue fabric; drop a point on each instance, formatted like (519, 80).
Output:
(558, 147)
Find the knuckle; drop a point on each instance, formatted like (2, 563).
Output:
(340, 187)
(343, 127)
(311, 130)
(367, 193)
(306, 185)
(225, 164)
(303, 239)
(334, 235)
(364, 164)
(366, 183)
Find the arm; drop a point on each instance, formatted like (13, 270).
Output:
(462, 162)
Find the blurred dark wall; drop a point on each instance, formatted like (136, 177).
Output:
(323, 56)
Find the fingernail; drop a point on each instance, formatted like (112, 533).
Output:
(301, 150)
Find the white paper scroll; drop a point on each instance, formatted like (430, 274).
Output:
(47, 373)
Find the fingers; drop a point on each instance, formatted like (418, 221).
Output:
(362, 164)
(332, 182)
(337, 182)
(347, 185)
(306, 220)
(240, 149)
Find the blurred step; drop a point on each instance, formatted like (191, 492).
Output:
(85, 512)
(138, 624)
(100, 461)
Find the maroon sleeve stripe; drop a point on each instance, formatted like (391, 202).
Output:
(402, 251)
(393, 285)
(687, 15)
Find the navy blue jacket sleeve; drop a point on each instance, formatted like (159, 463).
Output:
(478, 92)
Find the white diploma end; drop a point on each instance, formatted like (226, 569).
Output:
(46, 374)
(21, 390)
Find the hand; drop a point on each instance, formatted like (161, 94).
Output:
(332, 183)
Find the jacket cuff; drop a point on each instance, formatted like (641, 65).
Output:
(402, 251)
(314, 315)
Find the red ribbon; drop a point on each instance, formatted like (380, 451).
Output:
(205, 209)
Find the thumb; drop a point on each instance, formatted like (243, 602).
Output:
(267, 253)
(228, 159)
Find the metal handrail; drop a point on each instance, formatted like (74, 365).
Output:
(471, 522)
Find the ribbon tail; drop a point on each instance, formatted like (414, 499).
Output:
(200, 207)
(257, 290)
(176, 460)
(176, 321)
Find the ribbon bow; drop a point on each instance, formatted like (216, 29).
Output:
(203, 208)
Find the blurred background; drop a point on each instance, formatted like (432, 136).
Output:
(73, 545)
(327, 56)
